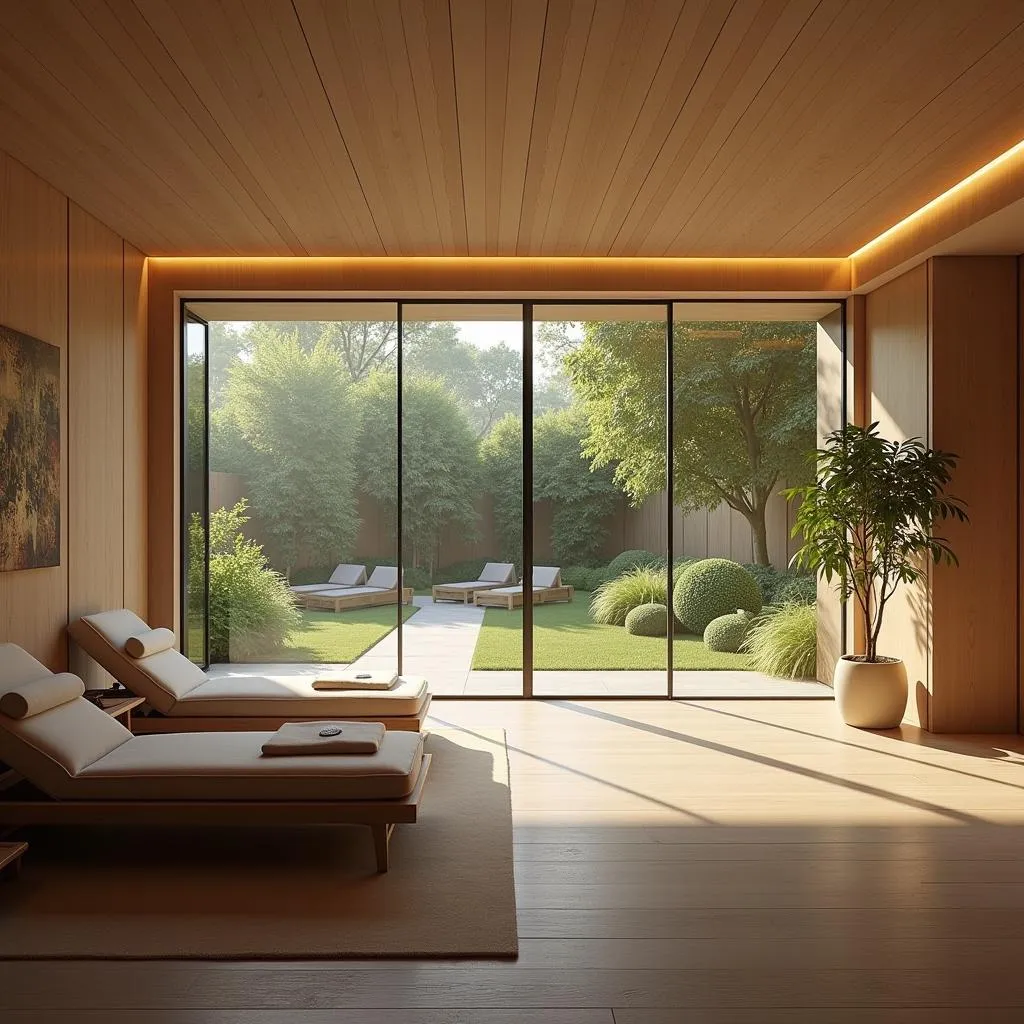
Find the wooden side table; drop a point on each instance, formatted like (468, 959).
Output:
(121, 707)
(10, 856)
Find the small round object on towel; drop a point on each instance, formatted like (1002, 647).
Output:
(330, 730)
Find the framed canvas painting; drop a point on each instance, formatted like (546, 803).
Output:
(29, 452)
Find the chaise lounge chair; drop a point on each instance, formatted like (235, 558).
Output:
(343, 578)
(80, 766)
(380, 588)
(495, 574)
(186, 699)
(547, 588)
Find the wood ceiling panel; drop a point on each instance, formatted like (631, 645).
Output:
(508, 127)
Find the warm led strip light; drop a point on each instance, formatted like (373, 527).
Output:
(917, 214)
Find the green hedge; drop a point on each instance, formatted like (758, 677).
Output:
(713, 587)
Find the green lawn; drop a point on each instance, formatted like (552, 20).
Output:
(339, 637)
(565, 637)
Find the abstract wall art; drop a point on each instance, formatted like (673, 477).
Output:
(29, 452)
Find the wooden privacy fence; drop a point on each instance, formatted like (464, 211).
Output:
(717, 532)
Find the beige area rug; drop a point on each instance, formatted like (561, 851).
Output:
(296, 893)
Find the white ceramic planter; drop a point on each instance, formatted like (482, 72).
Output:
(871, 695)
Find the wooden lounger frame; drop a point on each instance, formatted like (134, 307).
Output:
(341, 601)
(541, 595)
(23, 805)
(143, 725)
(464, 595)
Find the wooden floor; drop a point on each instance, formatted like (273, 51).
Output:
(733, 862)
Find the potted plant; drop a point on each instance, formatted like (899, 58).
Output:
(868, 523)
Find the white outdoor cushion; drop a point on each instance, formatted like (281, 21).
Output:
(384, 577)
(346, 591)
(498, 572)
(38, 695)
(162, 679)
(229, 766)
(545, 576)
(342, 577)
(153, 641)
(51, 747)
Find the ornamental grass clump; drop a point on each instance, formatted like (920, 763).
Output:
(785, 644)
(614, 600)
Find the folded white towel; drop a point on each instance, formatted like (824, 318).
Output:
(299, 738)
(348, 680)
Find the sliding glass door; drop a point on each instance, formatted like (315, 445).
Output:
(506, 498)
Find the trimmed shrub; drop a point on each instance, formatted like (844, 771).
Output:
(727, 632)
(648, 620)
(634, 559)
(577, 576)
(614, 600)
(251, 611)
(785, 644)
(795, 588)
(767, 577)
(713, 587)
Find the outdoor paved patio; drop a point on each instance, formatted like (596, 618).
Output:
(440, 639)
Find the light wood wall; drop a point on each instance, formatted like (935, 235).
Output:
(942, 343)
(67, 279)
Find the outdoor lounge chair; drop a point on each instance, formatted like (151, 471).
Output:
(81, 766)
(495, 574)
(380, 588)
(547, 588)
(344, 577)
(186, 699)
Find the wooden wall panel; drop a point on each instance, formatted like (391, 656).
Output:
(96, 424)
(831, 372)
(897, 341)
(33, 299)
(973, 350)
(136, 454)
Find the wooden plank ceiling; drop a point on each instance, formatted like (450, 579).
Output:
(508, 127)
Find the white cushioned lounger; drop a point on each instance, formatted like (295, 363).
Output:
(343, 577)
(187, 699)
(84, 766)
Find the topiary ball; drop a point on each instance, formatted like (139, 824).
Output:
(633, 559)
(713, 587)
(727, 633)
(648, 620)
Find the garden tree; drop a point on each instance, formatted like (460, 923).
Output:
(501, 456)
(297, 413)
(228, 344)
(439, 461)
(744, 400)
(582, 497)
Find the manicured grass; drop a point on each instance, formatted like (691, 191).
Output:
(339, 637)
(565, 637)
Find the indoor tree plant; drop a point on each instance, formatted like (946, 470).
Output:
(868, 523)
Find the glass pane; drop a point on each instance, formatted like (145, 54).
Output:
(462, 495)
(193, 498)
(599, 502)
(303, 486)
(745, 380)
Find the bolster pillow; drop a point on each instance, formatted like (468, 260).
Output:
(153, 641)
(41, 694)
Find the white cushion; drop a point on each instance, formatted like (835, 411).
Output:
(40, 695)
(384, 577)
(162, 678)
(51, 747)
(348, 575)
(545, 576)
(153, 641)
(498, 572)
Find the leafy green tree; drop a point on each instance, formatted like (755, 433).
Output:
(501, 456)
(296, 411)
(440, 478)
(744, 400)
(582, 497)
